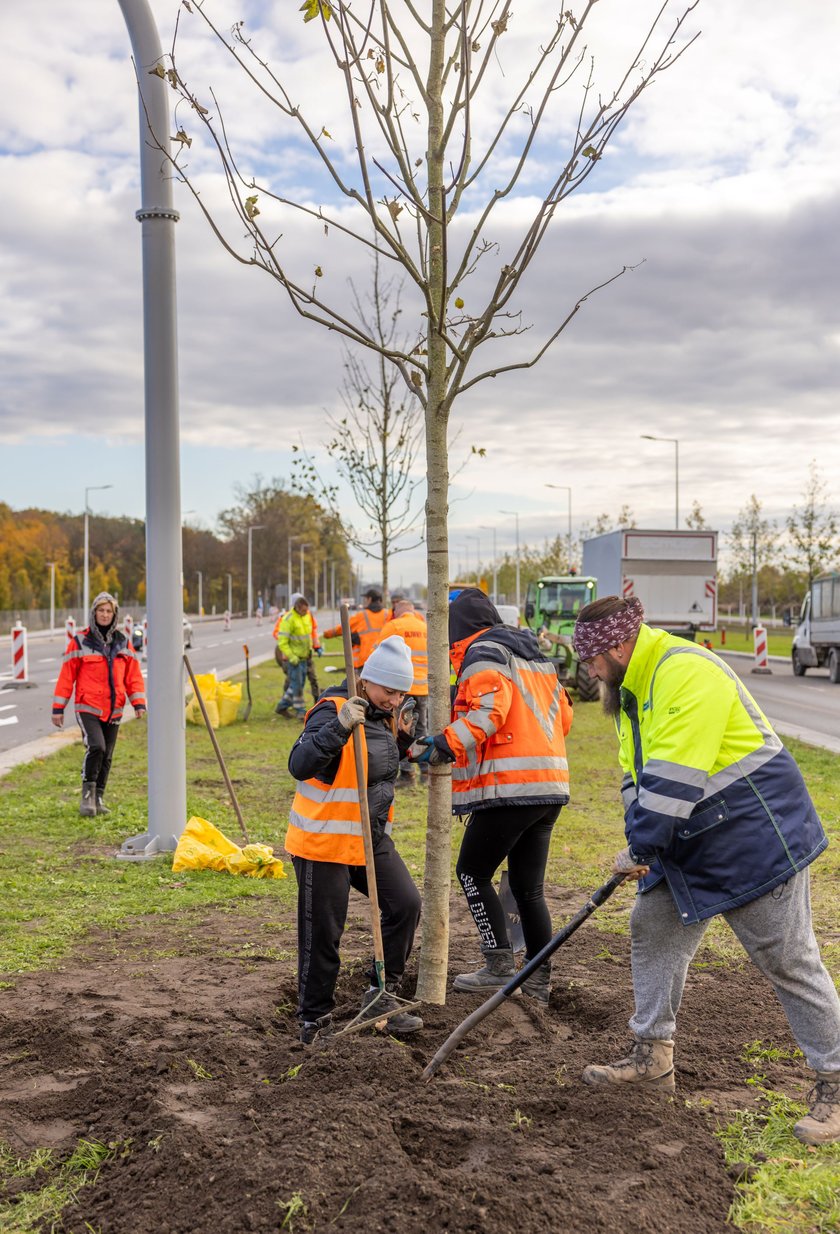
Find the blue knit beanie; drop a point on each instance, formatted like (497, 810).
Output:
(389, 665)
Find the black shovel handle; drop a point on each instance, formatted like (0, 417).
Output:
(597, 898)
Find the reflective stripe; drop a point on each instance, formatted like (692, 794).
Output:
(672, 806)
(132, 697)
(676, 771)
(58, 699)
(527, 762)
(495, 792)
(486, 666)
(462, 731)
(332, 826)
(310, 790)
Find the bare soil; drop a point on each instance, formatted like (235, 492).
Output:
(178, 1042)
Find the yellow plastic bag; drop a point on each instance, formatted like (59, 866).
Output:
(203, 847)
(208, 687)
(228, 698)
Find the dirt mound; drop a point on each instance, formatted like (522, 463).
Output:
(227, 1124)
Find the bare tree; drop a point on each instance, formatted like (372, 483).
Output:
(376, 443)
(813, 528)
(437, 128)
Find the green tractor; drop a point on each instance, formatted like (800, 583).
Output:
(551, 609)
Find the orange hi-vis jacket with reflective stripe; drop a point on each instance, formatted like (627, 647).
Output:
(511, 719)
(325, 823)
(414, 630)
(368, 626)
(102, 682)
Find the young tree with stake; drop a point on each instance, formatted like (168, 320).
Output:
(440, 127)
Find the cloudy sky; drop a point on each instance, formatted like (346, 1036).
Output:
(721, 188)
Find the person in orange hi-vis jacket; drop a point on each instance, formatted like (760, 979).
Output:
(365, 626)
(410, 625)
(510, 777)
(102, 667)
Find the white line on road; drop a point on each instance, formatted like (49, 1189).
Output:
(10, 720)
(49, 660)
(8, 707)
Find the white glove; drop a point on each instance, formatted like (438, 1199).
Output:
(352, 713)
(626, 863)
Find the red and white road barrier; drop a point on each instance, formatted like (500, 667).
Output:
(20, 656)
(227, 618)
(760, 644)
(70, 627)
(128, 627)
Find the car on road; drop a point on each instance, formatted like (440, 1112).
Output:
(137, 635)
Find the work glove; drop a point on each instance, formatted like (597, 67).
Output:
(626, 863)
(352, 713)
(425, 751)
(319, 651)
(407, 718)
(58, 719)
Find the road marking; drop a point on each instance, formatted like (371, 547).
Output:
(8, 707)
(10, 720)
(209, 645)
(49, 660)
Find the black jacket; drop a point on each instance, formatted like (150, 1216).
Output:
(317, 753)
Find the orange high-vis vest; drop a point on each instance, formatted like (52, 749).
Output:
(368, 626)
(325, 823)
(413, 629)
(508, 735)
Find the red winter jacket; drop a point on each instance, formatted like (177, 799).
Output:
(104, 676)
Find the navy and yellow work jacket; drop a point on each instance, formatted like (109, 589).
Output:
(712, 799)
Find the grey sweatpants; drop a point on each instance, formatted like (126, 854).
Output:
(776, 933)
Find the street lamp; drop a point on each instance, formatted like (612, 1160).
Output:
(292, 540)
(250, 592)
(568, 490)
(515, 514)
(230, 595)
(676, 445)
(200, 605)
(487, 527)
(302, 547)
(86, 594)
(51, 564)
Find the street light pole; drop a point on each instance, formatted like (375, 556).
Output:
(200, 604)
(255, 527)
(567, 489)
(675, 443)
(487, 527)
(86, 593)
(515, 514)
(51, 564)
(230, 595)
(302, 547)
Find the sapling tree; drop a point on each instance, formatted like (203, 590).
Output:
(812, 528)
(422, 125)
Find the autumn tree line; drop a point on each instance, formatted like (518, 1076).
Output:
(32, 539)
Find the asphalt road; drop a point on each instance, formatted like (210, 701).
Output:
(806, 707)
(25, 713)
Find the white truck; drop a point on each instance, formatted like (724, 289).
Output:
(673, 573)
(816, 640)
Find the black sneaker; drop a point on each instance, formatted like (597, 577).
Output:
(320, 1029)
(375, 1005)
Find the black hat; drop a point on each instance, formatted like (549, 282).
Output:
(372, 593)
(470, 612)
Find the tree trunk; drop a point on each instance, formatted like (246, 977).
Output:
(431, 985)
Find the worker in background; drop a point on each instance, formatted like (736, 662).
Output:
(410, 626)
(295, 643)
(365, 626)
(510, 777)
(317, 650)
(325, 841)
(102, 666)
(718, 822)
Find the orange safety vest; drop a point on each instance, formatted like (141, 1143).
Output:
(325, 823)
(508, 734)
(412, 628)
(368, 626)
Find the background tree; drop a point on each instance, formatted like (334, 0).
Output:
(812, 528)
(753, 544)
(696, 520)
(377, 442)
(437, 125)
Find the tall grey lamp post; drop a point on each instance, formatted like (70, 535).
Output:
(291, 540)
(51, 564)
(167, 771)
(302, 547)
(86, 592)
(515, 514)
(200, 602)
(675, 443)
(567, 489)
(487, 527)
(230, 594)
(250, 591)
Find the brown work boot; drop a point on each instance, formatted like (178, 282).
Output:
(87, 806)
(376, 1003)
(649, 1064)
(821, 1125)
(499, 969)
(538, 985)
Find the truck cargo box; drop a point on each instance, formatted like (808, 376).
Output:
(673, 573)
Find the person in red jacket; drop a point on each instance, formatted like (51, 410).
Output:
(102, 667)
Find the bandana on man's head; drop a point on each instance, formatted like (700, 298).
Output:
(592, 638)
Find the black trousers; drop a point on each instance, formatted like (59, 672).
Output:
(522, 834)
(323, 896)
(100, 739)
